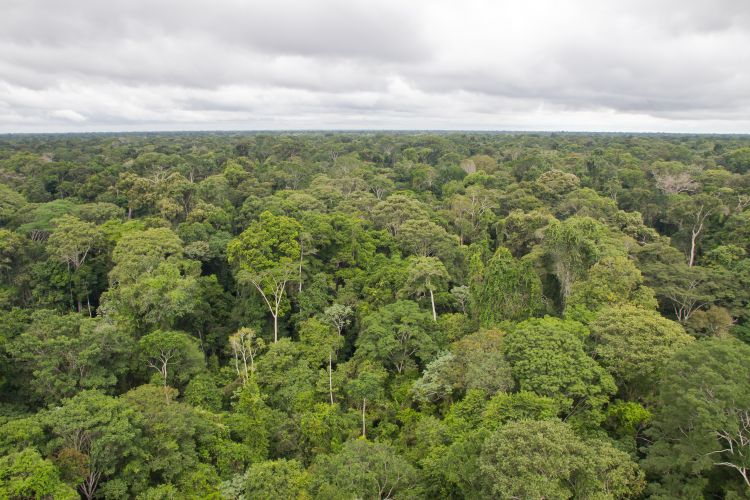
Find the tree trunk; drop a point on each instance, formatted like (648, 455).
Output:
(432, 300)
(695, 232)
(364, 405)
(164, 374)
(693, 237)
(244, 365)
(301, 256)
(275, 328)
(330, 376)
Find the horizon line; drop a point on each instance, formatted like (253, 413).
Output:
(366, 131)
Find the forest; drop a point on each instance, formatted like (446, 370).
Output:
(373, 315)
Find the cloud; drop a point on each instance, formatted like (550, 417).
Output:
(68, 114)
(479, 64)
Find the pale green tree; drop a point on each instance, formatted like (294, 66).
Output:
(426, 275)
(174, 356)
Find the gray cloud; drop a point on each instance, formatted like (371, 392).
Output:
(600, 65)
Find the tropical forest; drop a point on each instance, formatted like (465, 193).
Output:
(374, 315)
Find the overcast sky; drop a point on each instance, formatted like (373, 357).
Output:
(599, 65)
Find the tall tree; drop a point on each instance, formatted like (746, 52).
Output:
(174, 356)
(426, 274)
(245, 346)
(339, 316)
(363, 383)
(321, 343)
(266, 254)
(692, 214)
(611, 281)
(72, 242)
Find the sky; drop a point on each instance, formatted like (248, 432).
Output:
(576, 65)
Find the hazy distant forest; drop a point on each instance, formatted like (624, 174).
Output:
(374, 315)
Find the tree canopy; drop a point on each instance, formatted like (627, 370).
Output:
(374, 315)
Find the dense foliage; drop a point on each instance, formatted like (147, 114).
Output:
(374, 315)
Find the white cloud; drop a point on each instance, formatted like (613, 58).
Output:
(479, 64)
(68, 114)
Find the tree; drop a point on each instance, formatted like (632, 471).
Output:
(141, 252)
(692, 213)
(152, 284)
(426, 274)
(395, 210)
(547, 356)
(396, 334)
(632, 344)
(174, 356)
(545, 459)
(39, 218)
(713, 321)
(510, 290)
(324, 428)
(245, 346)
(266, 254)
(363, 382)
(25, 474)
(339, 316)
(507, 407)
(178, 440)
(472, 212)
(315, 231)
(72, 241)
(573, 246)
(362, 469)
(10, 203)
(701, 426)
(424, 238)
(11, 249)
(250, 424)
(17, 434)
(553, 184)
(611, 281)
(203, 392)
(276, 479)
(685, 289)
(676, 183)
(285, 376)
(738, 160)
(65, 354)
(481, 363)
(438, 380)
(462, 296)
(102, 431)
(521, 230)
(380, 185)
(321, 342)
